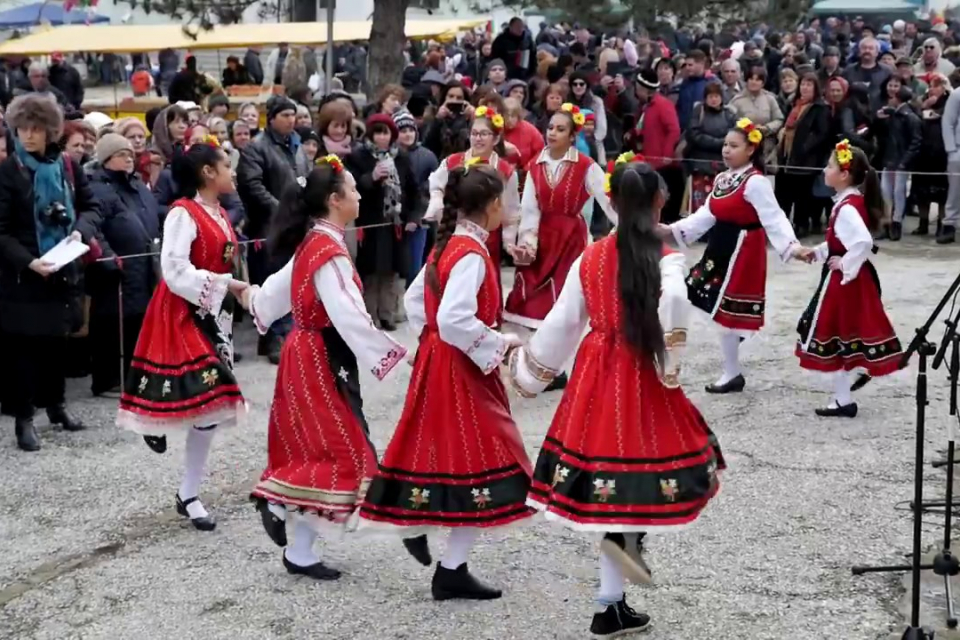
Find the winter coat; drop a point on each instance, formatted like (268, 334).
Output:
(446, 136)
(656, 133)
(30, 304)
(251, 61)
(901, 139)
(874, 78)
(131, 225)
(708, 128)
(379, 251)
(811, 139)
(517, 52)
(67, 80)
(267, 167)
(527, 139)
(857, 127)
(423, 162)
(691, 92)
(238, 76)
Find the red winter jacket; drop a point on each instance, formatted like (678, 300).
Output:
(656, 133)
(527, 139)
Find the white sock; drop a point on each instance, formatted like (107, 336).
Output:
(194, 462)
(841, 388)
(278, 510)
(300, 552)
(730, 352)
(458, 548)
(611, 581)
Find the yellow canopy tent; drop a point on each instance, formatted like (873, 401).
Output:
(140, 38)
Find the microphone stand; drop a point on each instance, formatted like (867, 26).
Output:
(924, 349)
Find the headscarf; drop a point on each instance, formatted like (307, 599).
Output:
(161, 140)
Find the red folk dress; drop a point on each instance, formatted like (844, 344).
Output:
(319, 455)
(456, 458)
(626, 451)
(561, 235)
(729, 281)
(182, 370)
(845, 326)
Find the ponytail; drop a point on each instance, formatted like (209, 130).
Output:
(187, 167)
(639, 250)
(865, 177)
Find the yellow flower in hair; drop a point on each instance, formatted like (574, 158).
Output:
(606, 183)
(333, 161)
(755, 137)
(480, 112)
(579, 119)
(744, 123)
(497, 121)
(626, 156)
(567, 106)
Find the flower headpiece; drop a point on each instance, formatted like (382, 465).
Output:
(472, 162)
(209, 139)
(754, 135)
(494, 118)
(333, 161)
(844, 154)
(623, 158)
(578, 118)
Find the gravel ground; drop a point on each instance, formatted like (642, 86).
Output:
(92, 547)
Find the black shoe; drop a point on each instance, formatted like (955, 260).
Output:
(157, 444)
(318, 571)
(273, 353)
(274, 526)
(27, 438)
(923, 228)
(459, 583)
(237, 357)
(896, 231)
(558, 384)
(842, 411)
(630, 560)
(734, 385)
(860, 382)
(419, 549)
(386, 325)
(618, 619)
(206, 523)
(58, 415)
(947, 235)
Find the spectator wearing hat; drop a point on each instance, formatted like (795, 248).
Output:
(829, 65)
(131, 225)
(388, 204)
(310, 140)
(496, 74)
(268, 166)
(218, 106)
(908, 77)
(423, 162)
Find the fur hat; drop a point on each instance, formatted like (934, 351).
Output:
(36, 110)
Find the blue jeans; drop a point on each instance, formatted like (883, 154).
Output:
(893, 184)
(417, 242)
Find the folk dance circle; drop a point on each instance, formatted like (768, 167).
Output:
(626, 454)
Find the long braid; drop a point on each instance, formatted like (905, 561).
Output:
(446, 226)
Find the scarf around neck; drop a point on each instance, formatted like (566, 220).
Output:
(49, 187)
(341, 148)
(392, 193)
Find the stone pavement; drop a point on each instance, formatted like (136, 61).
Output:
(92, 548)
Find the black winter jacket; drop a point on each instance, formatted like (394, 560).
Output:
(267, 167)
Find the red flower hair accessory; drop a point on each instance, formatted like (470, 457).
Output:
(578, 118)
(334, 161)
(491, 115)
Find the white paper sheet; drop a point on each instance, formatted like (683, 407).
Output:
(66, 251)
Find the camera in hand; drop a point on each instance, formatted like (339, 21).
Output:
(55, 215)
(455, 108)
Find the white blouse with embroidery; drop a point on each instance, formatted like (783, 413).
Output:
(457, 321)
(534, 366)
(511, 198)
(853, 233)
(343, 302)
(530, 208)
(759, 193)
(199, 287)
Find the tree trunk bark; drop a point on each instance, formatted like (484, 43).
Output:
(385, 61)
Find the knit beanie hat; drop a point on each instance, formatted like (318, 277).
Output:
(403, 118)
(110, 145)
(277, 105)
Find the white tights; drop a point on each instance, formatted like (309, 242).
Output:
(611, 581)
(194, 463)
(841, 388)
(459, 543)
(730, 352)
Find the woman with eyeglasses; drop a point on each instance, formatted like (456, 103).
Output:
(486, 138)
(582, 96)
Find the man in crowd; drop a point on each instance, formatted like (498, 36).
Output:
(868, 71)
(38, 76)
(515, 47)
(67, 79)
(730, 76)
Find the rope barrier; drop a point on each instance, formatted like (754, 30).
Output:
(772, 171)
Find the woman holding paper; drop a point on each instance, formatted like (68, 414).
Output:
(44, 200)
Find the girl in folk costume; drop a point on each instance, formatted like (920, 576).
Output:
(553, 232)
(845, 327)
(456, 459)
(320, 459)
(486, 134)
(181, 377)
(627, 452)
(741, 213)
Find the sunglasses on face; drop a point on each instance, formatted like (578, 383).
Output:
(929, 47)
(578, 84)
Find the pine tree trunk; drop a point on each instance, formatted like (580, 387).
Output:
(385, 60)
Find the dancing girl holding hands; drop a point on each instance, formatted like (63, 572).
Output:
(845, 326)
(626, 452)
(320, 458)
(741, 213)
(456, 459)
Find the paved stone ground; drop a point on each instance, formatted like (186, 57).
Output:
(92, 548)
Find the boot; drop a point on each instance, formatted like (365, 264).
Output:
(27, 438)
(924, 227)
(58, 415)
(459, 583)
(947, 235)
(896, 231)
